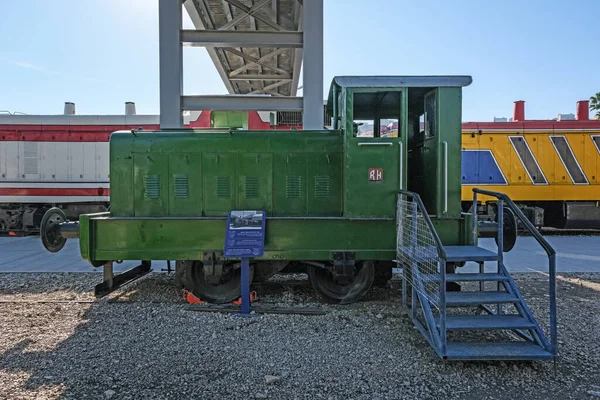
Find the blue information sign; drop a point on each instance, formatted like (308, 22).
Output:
(245, 234)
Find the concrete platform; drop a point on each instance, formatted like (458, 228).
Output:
(26, 254)
(575, 254)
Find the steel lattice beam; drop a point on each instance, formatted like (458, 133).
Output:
(254, 61)
(261, 77)
(270, 87)
(249, 13)
(265, 19)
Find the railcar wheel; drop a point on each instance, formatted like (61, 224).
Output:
(324, 284)
(191, 276)
(52, 242)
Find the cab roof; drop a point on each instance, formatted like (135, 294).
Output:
(422, 81)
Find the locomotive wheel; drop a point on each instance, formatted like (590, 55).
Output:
(323, 283)
(191, 277)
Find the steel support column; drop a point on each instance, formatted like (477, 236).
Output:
(312, 76)
(171, 63)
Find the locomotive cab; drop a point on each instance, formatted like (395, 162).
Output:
(399, 133)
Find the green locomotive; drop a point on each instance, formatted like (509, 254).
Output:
(329, 195)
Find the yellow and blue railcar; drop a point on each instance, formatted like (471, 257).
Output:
(550, 168)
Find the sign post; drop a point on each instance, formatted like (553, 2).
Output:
(245, 238)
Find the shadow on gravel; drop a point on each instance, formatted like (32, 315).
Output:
(132, 347)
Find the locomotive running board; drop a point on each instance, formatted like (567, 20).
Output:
(113, 282)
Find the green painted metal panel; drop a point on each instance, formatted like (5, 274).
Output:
(150, 184)
(255, 182)
(324, 184)
(290, 184)
(366, 198)
(220, 189)
(121, 177)
(187, 238)
(185, 184)
(85, 245)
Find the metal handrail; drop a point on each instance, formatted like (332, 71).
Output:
(421, 206)
(542, 241)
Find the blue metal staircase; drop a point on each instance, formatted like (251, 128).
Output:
(488, 318)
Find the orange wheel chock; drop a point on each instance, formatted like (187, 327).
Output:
(192, 299)
(253, 297)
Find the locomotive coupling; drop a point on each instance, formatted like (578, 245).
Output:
(489, 229)
(55, 230)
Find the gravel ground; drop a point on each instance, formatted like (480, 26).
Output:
(143, 343)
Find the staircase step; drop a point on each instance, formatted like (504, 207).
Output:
(496, 351)
(475, 277)
(469, 253)
(509, 322)
(464, 277)
(477, 298)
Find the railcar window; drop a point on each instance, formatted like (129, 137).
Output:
(430, 111)
(376, 114)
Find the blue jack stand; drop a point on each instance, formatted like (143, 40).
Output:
(245, 289)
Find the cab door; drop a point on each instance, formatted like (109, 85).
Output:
(375, 151)
(441, 158)
(432, 157)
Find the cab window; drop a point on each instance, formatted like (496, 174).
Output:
(430, 116)
(376, 114)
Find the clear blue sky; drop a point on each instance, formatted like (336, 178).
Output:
(101, 53)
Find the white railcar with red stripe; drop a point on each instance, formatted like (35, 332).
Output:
(57, 160)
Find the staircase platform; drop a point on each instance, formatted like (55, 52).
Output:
(477, 298)
(469, 253)
(496, 351)
(486, 322)
(475, 277)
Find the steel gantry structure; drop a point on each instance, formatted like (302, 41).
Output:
(258, 48)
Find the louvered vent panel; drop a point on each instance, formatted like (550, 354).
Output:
(31, 157)
(322, 187)
(251, 187)
(182, 190)
(152, 186)
(223, 187)
(293, 187)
